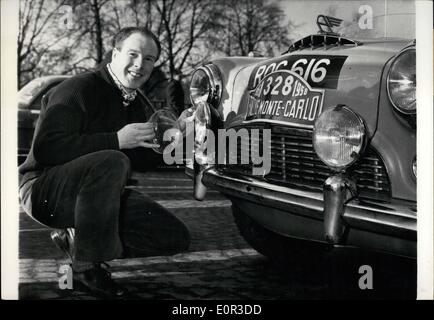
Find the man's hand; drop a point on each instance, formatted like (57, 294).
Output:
(186, 116)
(135, 135)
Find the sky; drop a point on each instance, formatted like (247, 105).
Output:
(304, 13)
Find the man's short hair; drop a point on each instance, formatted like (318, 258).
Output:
(124, 33)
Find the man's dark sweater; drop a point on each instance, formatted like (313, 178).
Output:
(80, 116)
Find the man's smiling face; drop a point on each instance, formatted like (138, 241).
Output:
(133, 62)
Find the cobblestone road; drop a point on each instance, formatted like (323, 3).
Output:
(219, 263)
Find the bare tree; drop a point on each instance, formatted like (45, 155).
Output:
(95, 23)
(249, 26)
(97, 30)
(46, 45)
(181, 24)
(190, 32)
(35, 17)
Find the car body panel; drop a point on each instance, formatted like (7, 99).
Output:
(395, 140)
(358, 85)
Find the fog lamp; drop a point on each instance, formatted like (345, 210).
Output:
(339, 137)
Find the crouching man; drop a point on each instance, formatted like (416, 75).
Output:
(91, 133)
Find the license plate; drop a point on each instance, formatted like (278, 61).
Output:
(284, 96)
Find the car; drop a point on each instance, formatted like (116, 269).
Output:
(336, 113)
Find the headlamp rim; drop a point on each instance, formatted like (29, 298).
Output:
(395, 59)
(215, 82)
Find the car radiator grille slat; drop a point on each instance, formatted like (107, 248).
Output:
(294, 163)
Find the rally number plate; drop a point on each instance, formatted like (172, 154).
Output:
(284, 96)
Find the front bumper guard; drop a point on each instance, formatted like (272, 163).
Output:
(338, 190)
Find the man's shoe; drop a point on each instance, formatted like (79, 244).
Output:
(64, 240)
(98, 281)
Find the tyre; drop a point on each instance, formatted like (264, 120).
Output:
(279, 249)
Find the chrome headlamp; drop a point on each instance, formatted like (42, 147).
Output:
(339, 137)
(206, 86)
(204, 153)
(401, 82)
(202, 124)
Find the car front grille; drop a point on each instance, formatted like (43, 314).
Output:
(294, 163)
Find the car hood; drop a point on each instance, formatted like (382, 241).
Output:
(352, 77)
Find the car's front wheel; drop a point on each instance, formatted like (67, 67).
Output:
(277, 248)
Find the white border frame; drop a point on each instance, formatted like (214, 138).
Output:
(9, 181)
(424, 97)
(9, 178)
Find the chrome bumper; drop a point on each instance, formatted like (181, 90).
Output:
(396, 219)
